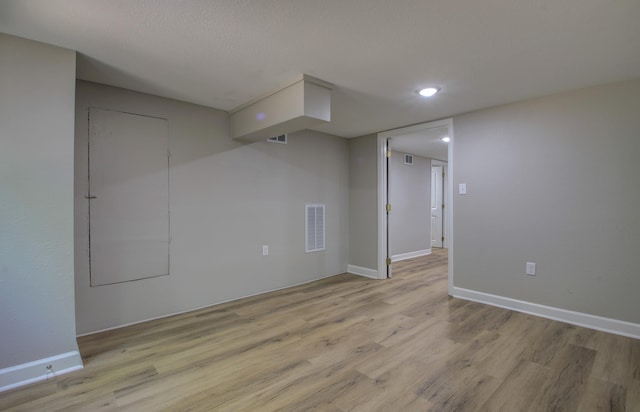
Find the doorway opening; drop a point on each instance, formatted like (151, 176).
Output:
(415, 140)
(439, 189)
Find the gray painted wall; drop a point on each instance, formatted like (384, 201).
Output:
(36, 201)
(553, 181)
(410, 198)
(227, 199)
(363, 202)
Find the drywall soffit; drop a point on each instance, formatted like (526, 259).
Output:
(299, 106)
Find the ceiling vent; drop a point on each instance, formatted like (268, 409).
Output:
(278, 139)
(301, 105)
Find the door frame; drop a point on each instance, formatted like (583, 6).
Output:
(445, 192)
(382, 192)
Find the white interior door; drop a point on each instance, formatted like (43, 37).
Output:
(128, 197)
(388, 207)
(437, 206)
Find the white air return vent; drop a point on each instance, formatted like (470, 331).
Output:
(278, 139)
(314, 216)
(408, 159)
(301, 105)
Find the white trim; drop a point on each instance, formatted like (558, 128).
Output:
(447, 199)
(382, 193)
(586, 320)
(448, 243)
(410, 255)
(360, 271)
(36, 371)
(382, 202)
(203, 307)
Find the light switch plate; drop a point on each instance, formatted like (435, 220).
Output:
(462, 188)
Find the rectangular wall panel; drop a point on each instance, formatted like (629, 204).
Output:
(129, 197)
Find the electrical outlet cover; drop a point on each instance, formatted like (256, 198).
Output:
(531, 268)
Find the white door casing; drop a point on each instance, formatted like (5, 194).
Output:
(388, 209)
(437, 206)
(382, 193)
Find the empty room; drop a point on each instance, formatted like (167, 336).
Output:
(290, 205)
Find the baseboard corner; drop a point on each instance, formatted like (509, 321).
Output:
(39, 370)
(362, 271)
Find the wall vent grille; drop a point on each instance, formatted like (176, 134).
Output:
(315, 227)
(408, 159)
(278, 139)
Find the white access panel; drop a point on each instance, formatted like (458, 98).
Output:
(128, 197)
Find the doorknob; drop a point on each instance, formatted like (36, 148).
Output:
(89, 197)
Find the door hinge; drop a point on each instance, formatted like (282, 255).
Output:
(443, 205)
(388, 261)
(443, 238)
(388, 153)
(443, 173)
(388, 207)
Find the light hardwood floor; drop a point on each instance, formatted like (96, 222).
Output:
(348, 343)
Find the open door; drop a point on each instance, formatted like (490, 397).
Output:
(437, 206)
(436, 134)
(388, 208)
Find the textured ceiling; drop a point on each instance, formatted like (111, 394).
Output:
(426, 143)
(223, 53)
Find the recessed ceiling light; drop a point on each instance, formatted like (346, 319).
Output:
(428, 91)
(446, 139)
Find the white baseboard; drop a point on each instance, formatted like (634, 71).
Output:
(366, 272)
(31, 372)
(410, 255)
(586, 320)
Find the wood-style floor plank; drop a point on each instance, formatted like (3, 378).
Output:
(348, 343)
